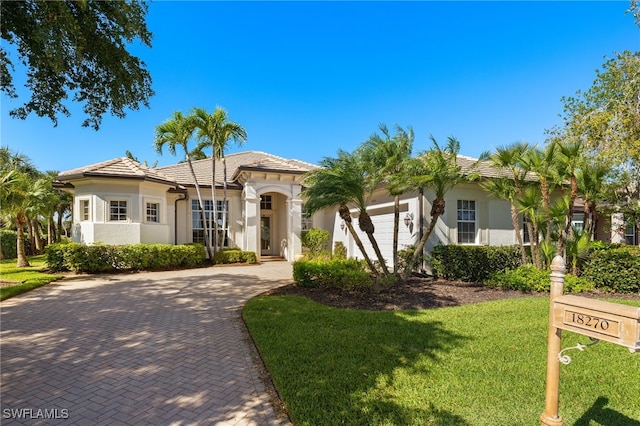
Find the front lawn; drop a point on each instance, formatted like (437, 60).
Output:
(20, 280)
(481, 364)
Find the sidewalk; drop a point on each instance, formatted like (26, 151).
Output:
(158, 348)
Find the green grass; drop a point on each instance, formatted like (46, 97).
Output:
(481, 364)
(25, 278)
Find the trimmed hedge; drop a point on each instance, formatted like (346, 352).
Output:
(529, 278)
(234, 255)
(8, 240)
(343, 273)
(614, 269)
(472, 263)
(109, 258)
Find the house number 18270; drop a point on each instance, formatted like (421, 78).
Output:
(589, 321)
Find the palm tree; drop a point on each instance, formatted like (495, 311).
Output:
(215, 131)
(570, 159)
(341, 182)
(591, 177)
(17, 178)
(178, 131)
(385, 158)
(509, 158)
(437, 170)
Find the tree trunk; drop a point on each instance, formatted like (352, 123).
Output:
(437, 210)
(21, 221)
(202, 213)
(516, 227)
(51, 230)
(345, 215)
(37, 236)
(396, 230)
(568, 230)
(366, 225)
(224, 197)
(213, 198)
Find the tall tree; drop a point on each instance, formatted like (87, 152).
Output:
(17, 181)
(510, 159)
(215, 131)
(341, 182)
(437, 170)
(76, 47)
(386, 157)
(570, 159)
(175, 132)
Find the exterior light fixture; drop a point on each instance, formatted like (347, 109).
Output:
(408, 219)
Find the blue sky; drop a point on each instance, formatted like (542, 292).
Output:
(308, 78)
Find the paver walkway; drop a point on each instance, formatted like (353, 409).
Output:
(160, 348)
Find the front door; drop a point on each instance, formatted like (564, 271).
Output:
(265, 236)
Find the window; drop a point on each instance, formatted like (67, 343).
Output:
(84, 210)
(630, 234)
(525, 228)
(466, 221)
(197, 227)
(117, 210)
(265, 202)
(153, 212)
(577, 222)
(307, 221)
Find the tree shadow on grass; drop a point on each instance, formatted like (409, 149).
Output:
(599, 413)
(335, 366)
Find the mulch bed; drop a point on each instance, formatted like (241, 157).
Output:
(417, 293)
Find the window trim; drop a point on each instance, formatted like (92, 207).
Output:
(474, 222)
(160, 207)
(81, 205)
(157, 205)
(127, 206)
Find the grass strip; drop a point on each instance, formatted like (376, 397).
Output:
(480, 364)
(25, 279)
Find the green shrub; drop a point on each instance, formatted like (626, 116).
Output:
(8, 240)
(339, 250)
(317, 241)
(529, 278)
(108, 258)
(472, 263)
(342, 273)
(615, 269)
(234, 255)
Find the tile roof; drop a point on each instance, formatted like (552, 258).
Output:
(247, 160)
(120, 168)
(485, 169)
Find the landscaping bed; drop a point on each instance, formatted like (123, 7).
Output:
(418, 293)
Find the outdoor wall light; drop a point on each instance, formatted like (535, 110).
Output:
(342, 225)
(408, 219)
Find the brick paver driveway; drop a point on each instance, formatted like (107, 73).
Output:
(155, 348)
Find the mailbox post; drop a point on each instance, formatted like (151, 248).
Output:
(550, 416)
(611, 322)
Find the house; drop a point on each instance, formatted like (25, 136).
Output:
(123, 202)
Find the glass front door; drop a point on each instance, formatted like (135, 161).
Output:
(265, 235)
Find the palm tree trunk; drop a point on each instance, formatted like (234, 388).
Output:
(437, 210)
(562, 241)
(366, 225)
(224, 197)
(516, 227)
(204, 218)
(345, 215)
(37, 236)
(213, 198)
(21, 221)
(396, 230)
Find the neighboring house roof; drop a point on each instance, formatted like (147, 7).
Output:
(236, 163)
(122, 168)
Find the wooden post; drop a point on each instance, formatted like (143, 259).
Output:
(550, 416)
